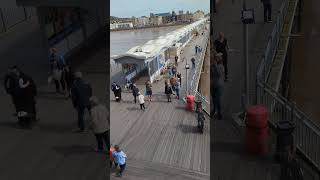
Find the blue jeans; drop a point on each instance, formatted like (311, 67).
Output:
(217, 94)
(178, 93)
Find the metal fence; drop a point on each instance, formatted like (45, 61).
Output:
(197, 73)
(196, 78)
(307, 133)
(9, 17)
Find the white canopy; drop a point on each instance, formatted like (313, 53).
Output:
(154, 47)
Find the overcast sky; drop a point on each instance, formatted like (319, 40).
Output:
(129, 8)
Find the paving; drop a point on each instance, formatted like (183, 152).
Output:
(162, 141)
(229, 159)
(49, 151)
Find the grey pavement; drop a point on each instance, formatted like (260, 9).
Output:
(50, 150)
(227, 142)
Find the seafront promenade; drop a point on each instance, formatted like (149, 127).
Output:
(148, 27)
(162, 141)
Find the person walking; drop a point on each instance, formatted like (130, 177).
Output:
(176, 58)
(196, 49)
(113, 88)
(120, 159)
(193, 61)
(68, 78)
(149, 90)
(174, 71)
(58, 65)
(135, 92)
(201, 119)
(11, 85)
(217, 86)
(177, 88)
(221, 45)
(267, 10)
(179, 77)
(81, 92)
(118, 92)
(27, 97)
(168, 91)
(141, 101)
(100, 124)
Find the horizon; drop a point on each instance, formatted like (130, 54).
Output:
(177, 12)
(139, 8)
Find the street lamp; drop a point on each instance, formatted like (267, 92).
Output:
(187, 67)
(247, 16)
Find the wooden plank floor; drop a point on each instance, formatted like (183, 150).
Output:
(165, 133)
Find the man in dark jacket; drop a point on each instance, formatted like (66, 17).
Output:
(81, 92)
(11, 85)
(135, 92)
(267, 10)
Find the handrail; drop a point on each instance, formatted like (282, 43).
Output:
(196, 76)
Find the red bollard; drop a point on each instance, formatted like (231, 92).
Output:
(190, 102)
(256, 133)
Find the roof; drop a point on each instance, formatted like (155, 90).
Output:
(154, 47)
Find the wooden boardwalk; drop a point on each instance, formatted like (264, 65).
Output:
(164, 137)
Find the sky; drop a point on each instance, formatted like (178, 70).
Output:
(137, 8)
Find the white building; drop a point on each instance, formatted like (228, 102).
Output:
(141, 21)
(155, 20)
(127, 25)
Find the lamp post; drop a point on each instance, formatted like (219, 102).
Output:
(187, 67)
(247, 18)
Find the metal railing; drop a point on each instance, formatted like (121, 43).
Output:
(10, 17)
(197, 73)
(205, 103)
(307, 133)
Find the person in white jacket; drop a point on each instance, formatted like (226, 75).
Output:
(100, 123)
(141, 101)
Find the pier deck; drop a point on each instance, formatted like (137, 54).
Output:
(161, 141)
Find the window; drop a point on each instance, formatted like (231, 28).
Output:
(153, 66)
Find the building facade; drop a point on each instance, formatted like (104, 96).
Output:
(166, 17)
(141, 21)
(155, 20)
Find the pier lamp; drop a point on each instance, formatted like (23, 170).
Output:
(187, 67)
(247, 16)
